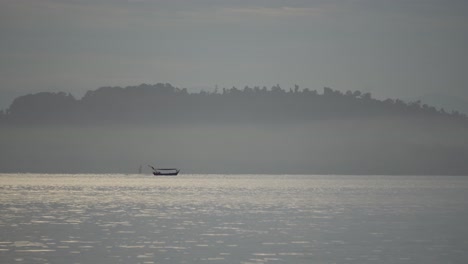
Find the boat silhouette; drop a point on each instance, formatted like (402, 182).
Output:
(164, 171)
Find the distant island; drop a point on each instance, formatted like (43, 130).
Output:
(164, 103)
(250, 130)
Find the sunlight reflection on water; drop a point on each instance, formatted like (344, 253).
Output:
(232, 219)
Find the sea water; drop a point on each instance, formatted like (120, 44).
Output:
(233, 219)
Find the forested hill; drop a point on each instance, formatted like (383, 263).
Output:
(164, 103)
(250, 130)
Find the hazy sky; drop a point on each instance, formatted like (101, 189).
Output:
(392, 48)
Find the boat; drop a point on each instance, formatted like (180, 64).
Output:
(165, 171)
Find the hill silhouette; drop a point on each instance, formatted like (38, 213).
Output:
(249, 130)
(163, 103)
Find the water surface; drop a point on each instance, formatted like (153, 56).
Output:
(233, 219)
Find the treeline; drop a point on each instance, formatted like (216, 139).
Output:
(164, 103)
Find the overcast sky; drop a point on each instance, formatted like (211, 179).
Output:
(392, 48)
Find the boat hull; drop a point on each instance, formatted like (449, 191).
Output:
(165, 174)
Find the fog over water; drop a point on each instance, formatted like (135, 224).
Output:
(200, 218)
(331, 147)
